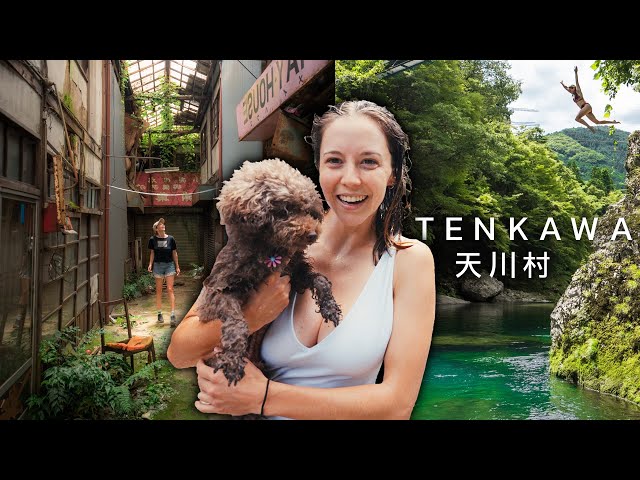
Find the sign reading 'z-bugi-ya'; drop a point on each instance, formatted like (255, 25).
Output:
(279, 81)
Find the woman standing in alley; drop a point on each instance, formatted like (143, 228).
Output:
(163, 262)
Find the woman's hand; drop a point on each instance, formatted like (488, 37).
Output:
(177, 271)
(216, 396)
(149, 268)
(268, 301)
(195, 337)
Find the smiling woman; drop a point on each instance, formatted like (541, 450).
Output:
(385, 156)
(383, 282)
(355, 181)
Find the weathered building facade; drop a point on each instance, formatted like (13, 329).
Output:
(59, 122)
(79, 193)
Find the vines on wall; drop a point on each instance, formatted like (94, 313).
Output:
(166, 140)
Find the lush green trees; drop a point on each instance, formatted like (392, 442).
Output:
(589, 150)
(357, 76)
(491, 79)
(614, 73)
(468, 163)
(573, 166)
(601, 178)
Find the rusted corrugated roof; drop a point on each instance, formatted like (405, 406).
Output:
(190, 76)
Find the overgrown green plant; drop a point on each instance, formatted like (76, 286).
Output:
(66, 101)
(357, 75)
(615, 73)
(136, 284)
(78, 385)
(130, 290)
(124, 77)
(168, 142)
(197, 270)
(121, 320)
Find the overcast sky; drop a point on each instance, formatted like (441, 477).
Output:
(541, 90)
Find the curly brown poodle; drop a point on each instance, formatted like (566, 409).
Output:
(272, 214)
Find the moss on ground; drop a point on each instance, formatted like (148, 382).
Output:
(181, 405)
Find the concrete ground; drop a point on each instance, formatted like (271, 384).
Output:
(143, 314)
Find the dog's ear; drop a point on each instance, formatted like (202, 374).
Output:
(237, 211)
(229, 212)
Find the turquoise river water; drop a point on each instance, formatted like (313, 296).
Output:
(491, 361)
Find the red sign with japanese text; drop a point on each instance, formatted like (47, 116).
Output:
(175, 189)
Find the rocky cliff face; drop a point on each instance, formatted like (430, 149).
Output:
(595, 326)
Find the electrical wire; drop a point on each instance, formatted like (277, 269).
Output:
(247, 69)
(165, 194)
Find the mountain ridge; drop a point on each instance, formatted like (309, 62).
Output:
(592, 149)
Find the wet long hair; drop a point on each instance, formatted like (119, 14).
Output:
(388, 221)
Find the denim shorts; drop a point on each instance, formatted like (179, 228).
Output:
(164, 269)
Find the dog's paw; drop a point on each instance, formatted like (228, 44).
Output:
(232, 366)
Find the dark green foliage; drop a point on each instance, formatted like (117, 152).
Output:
(534, 134)
(573, 166)
(357, 76)
(124, 77)
(167, 141)
(601, 178)
(181, 151)
(78, 385)
(614, 73)
(490, 78)
(588, 150)
(136, 284)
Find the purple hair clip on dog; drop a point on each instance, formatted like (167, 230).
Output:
(273, 261)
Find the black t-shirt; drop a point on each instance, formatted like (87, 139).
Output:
(163, 247)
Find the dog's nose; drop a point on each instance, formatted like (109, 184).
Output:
(312, 237)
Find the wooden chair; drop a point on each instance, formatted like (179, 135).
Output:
(129, 346)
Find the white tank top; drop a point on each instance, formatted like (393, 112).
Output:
(351, 354)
